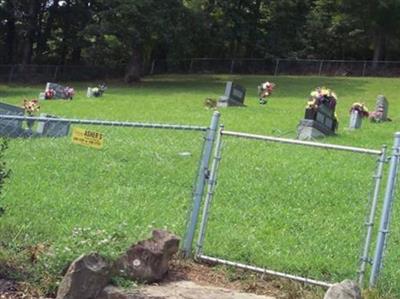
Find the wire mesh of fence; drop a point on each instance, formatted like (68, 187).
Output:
(291, 209)
(82, 185)
(278, 67)
(44, 73)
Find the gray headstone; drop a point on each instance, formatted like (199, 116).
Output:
(382, 105)
(52, 128)
(307, 130)
(355, 120)
(8, 127)
(234, 95)
(89, 92)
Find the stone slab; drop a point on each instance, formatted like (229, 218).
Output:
(191, 290)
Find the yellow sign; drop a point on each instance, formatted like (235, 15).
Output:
(87, 138)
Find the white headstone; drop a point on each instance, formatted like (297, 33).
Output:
(355, 120)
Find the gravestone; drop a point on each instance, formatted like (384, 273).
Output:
(96, 91)
(9, 127)
(355, 120)
(52, 128)
(381, 110)
(234, 95)
(60, 91)
(89, 92)
(317, 122)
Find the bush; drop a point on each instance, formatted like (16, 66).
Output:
(4, 172)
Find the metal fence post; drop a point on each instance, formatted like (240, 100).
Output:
(386, 211)
(55, 74)
(191, 66)
(212, 182)
(152, 67)
(364, 68)
(232, 66)
(11, 74)
(320, 67)
(199, 189)
(364, 259)
(276, 67)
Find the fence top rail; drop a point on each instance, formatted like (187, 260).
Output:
(305, 143)
(106, 123)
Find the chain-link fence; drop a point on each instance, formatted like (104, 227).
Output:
(278, 67)
(93, 185)
(294, 209)
(45, 73)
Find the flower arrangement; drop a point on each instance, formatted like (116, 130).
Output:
(99, 90)
(31, 106)
(360, 108)
(264, 91)
(69, 92)
(49, 94)
(210, 103)
(322, 95)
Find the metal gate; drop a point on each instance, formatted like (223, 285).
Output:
(243, 219)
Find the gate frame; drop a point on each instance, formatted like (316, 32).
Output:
(377, 177)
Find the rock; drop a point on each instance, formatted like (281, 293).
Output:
(347, 289)
(7, 286)
(112, 292)
(85, 279)
(147, 261)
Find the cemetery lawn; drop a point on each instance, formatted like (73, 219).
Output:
(287, 208)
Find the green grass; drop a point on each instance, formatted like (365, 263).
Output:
(284, 207)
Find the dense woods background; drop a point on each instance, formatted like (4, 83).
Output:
(135, 32)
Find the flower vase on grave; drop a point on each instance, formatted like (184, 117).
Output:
(30, 123)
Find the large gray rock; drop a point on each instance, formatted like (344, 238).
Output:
(147, 261)
(347, 289)
(85, 279)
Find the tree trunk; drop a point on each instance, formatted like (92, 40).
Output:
(379, 46)
(31, 29)
(41, 45)
(133, 71)
(10, 39)
(76, 55)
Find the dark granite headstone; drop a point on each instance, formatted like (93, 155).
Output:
(318, 122)
(234, 95)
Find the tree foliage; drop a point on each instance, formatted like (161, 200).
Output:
(134, 32)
